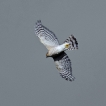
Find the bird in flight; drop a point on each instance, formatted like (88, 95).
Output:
(57, 50)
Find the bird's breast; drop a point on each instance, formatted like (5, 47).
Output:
(55, 50)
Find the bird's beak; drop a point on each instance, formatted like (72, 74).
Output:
(46, 55)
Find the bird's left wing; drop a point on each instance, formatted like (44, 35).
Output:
(47, 37)
(63, 64)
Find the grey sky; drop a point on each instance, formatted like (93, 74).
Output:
(27, 78)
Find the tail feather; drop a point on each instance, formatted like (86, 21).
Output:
(72, 41)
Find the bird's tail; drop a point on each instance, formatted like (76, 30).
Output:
(73, 42)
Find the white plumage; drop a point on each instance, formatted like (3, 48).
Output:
(56, 51)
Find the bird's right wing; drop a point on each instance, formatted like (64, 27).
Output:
(47, 37)
(63, 64)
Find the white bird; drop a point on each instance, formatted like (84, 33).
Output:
(56, 50)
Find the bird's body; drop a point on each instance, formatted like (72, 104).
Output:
(56, 50)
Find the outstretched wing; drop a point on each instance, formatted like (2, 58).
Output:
(63, 64)
(47, 37)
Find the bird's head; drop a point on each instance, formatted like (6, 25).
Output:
(47, 55)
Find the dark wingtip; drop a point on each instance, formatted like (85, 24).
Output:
(38, 22)
(68, 78)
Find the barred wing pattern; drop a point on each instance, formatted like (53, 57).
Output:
(73, 42)
(47, 37)
(63, 64)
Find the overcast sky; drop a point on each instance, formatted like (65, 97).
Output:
(27, 77)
